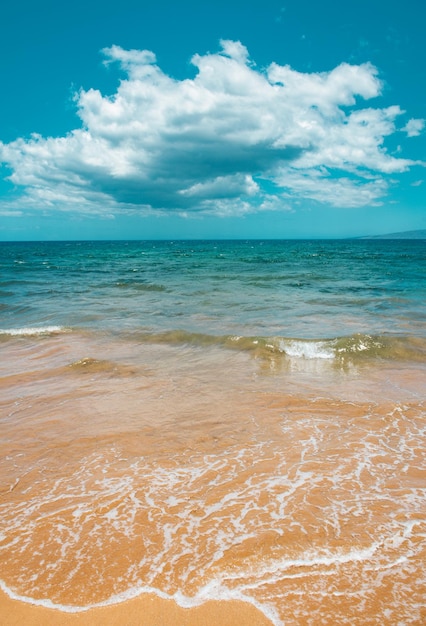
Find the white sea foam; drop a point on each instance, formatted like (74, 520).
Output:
(278, 567)
(307, 349)
(216, 499)
(213, 591)
(33, 330)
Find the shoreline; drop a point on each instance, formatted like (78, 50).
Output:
(145, 610)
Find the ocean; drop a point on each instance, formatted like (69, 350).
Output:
(226, 420)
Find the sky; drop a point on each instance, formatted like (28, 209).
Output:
(214, 119)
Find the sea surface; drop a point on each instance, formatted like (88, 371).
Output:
(216, 420)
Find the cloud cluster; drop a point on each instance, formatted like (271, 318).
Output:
(231, 140)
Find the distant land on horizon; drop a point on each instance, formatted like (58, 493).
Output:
(407, 234)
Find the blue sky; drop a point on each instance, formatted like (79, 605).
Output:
(211, 120)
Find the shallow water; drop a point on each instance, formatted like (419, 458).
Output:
(211, 454)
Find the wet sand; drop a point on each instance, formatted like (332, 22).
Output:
(148, 610)
(186, 477)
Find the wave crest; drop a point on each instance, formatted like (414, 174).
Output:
(353, 348)
(28, 331)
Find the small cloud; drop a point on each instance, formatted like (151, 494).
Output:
(414, 127)
(137, 63)
(11, 213)
(417, 183)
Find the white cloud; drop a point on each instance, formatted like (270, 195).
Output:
(414, 127)
(137, 63)
(11, 213)
(316, 184)
(203, 144)
(235, 50)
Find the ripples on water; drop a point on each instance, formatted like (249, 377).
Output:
(216, 420)
(291, 289)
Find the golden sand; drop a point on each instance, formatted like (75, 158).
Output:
(186, 477)
(148, 610)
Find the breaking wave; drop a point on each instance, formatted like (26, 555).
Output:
(29, 331)
(356, 347)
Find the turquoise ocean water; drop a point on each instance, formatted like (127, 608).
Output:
(334, 297)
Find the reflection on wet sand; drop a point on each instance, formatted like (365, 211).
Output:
(194, 476)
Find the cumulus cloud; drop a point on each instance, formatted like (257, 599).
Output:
(414, 127)
(233, 139)
(344, 191)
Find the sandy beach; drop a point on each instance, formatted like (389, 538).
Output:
(251, 478)
(147, 610)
